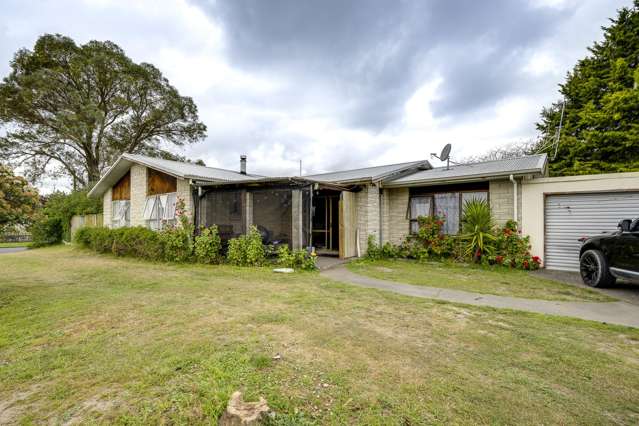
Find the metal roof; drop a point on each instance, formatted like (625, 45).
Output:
(532, 164)
(375, 173)
(178, 169)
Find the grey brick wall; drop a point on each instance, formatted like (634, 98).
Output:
(395, 225)
(501, 200)
(138, 194)
(367, 215)
(184, 193)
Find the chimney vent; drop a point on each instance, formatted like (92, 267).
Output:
(243, 164)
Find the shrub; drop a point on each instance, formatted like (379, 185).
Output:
(477, 229)
(136, 242)
(64, 206)
(512, 249)
(429, 240)
(46, 231)
(387, 251)
(297, 259)
(208, 245)
(247, 250)
(177, 244)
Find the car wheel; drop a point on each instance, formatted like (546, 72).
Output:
(593, 267)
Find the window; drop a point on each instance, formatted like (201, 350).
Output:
(448, 205)
(120, 213)
(159, 210)
(419, 206)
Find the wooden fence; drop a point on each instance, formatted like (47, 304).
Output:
(79, 221)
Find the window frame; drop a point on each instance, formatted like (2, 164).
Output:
(160, 221)
(433, 209)
(119, 223)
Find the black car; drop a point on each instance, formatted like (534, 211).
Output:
(604, 258)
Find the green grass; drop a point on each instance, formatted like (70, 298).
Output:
(96, 339)
(475, 278)
(10, 245)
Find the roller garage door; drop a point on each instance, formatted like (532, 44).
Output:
(571, 216)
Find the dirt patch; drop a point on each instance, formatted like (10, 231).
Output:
(11, 409)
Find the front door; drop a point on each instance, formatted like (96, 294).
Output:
(325, 225)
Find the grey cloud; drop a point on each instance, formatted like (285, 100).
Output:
(373, 55)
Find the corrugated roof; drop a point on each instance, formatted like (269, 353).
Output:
(175, 168)
(523, 165)
(367, 173)
(189, 170)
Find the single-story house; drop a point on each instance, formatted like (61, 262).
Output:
(336, 212)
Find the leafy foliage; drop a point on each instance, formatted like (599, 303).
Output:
(512, 249)
(134, 242)
(600, 129)
(64, 206)
(47, 231)
(387, 251)
(177, 241)
(477, 229)
(18, 200)
(247, 250)
(296, 259)
(81, 106)
(207, 247)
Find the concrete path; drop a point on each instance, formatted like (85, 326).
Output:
(11, 249)
(620, 313)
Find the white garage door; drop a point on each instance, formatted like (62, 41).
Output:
(571, 216)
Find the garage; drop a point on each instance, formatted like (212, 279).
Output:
(571, 216)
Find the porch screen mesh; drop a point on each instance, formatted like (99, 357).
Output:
(272, 215)
(226, 210)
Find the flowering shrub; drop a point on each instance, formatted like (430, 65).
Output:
(512, 249)
(429, 241)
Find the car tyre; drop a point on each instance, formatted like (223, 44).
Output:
(594, 270)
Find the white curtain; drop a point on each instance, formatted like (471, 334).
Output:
(149, 206)
(419, 206)
(447, 206)
(169, 206)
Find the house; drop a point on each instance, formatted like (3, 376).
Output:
(335, 212)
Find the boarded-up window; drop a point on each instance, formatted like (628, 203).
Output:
(122, 189)
(160, 183)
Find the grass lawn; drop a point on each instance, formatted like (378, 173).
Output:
(96, 339)
(480, 279)
(11, 245)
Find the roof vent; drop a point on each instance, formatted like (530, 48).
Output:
(243, 164)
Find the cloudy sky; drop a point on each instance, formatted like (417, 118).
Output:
(338, 84)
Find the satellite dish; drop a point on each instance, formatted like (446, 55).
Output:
(445, 152)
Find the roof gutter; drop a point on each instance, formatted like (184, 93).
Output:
(459, 179)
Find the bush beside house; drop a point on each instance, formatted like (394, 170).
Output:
(480, 241)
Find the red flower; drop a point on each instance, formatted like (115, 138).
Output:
(526, 264)
(536, 259)
(499, 259)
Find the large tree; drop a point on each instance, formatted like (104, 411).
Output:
(18, 199)
(600, 128)
(77, 107)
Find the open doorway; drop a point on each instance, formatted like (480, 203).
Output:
(325, 223)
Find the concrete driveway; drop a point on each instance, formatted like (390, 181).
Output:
(11, 249)
(622, 290)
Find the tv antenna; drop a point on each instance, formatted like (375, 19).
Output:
(444, 156)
